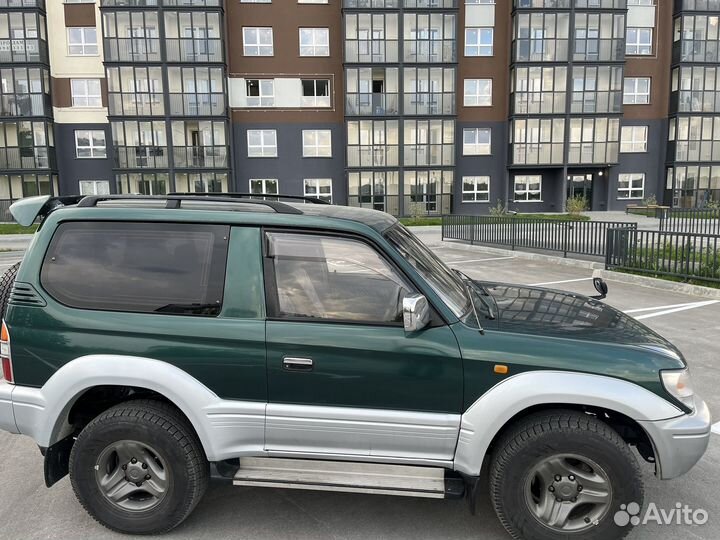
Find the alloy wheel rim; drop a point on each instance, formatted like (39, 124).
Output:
(132, 476)
(568, 492)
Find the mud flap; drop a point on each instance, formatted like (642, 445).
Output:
(57, 460)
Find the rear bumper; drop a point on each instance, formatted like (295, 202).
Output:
(680, 442)
(7, 416)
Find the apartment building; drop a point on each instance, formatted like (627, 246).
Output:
(409, 106)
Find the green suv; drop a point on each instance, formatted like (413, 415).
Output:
(151, 343)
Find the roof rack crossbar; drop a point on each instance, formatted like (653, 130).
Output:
(175, 201)
(237, 195)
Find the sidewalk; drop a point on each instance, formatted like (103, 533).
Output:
(643, 222)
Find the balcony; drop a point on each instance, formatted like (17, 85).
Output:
(197, 104)
(192, 3)
(39, 157)
(371, 51)
(130, 104)
(427, 204)
(132, 49)
(24, 105)
(537, 153)
(372, 104)
(22, 4)
(194, 50)
(371, 4)
(430, 103)
(214, 157)
(23, 50)
(436, 51)
(373, 156)
(540, 50)
(129, 3)
(140, 157)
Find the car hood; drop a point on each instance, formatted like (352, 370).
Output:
(549, 312)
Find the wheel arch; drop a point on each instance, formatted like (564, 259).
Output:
(621, 404)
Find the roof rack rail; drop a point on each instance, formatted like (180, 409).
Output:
(175, 201)
(235, 195)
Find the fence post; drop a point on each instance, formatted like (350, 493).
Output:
(472, 230)
(566, 228)
(512, 232)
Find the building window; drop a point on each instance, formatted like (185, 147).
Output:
(639, 41)
(594, 140)
(528, 188)
(372, 143)
(316, 93)
(697, 138)
(317, 143)
(429, 142)
(262, 143)
(82, 41)
(131, 39)
(24, 91)
(260, 92)
(476, 141)
(429, 90)
(541, 37)
(592, 45)
(636, 91)
(264, 186)
(320, 188)
(314, 42)
(90, 144)
(371, 38)
(86, 93)
(633, 139)
(539, 90)
(94, 187)
(258, 41)
(135, 91)
(140, 144)
(142, 183)
(478, 93)
(429, 37)
(538, 141)
(196, 91)
(475, 188)
(478, 42)
(596, 89)
(631, 186)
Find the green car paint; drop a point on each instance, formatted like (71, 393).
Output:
(238, 355)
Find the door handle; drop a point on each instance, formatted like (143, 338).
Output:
(293, 363)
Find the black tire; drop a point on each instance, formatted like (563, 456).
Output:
(162, 428)
(6, 284)
(540, 437)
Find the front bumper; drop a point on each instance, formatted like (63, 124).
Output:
(680, 442)
(7, 416)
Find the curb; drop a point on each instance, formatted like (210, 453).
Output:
(597, 267)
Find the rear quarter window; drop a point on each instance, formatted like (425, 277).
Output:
(176, 269)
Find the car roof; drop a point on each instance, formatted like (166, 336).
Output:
(215, 205)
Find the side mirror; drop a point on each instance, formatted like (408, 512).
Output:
(601, 287)
(416, 312)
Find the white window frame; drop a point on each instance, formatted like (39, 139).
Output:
(264, 182)
(252, 45)
(316, 184)
(477, 98)
(478, 46)
(638, 45)
(626, 194)
(478, 195)
(263, 99)
(91, 147)
(94, 185)
(89, 99)
(319, 45)
(635, 93)
(87, 48)
(314, 149)
(262, 150)
(315, 100)
(523, 195)
(477, 148)
(630, 142)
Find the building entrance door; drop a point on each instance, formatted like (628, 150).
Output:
(581, 185)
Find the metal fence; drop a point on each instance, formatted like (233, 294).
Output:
(577, 237)
(676, 254)
(690, 220)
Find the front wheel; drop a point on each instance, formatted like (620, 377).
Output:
(139, 468)
(563, 474)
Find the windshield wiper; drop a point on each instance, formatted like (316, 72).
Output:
(481, 289)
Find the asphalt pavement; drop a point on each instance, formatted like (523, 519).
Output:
(28, 510)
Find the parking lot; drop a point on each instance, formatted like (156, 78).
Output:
(30, 511)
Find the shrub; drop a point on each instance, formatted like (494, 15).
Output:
(499, 209)
(650, 200)
(576, 205)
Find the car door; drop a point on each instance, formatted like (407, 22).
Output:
(343, 375)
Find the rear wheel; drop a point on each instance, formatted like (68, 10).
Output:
(6, 285)
(139, 468)
(563, 474)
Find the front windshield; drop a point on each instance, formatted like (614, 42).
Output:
(445, 282)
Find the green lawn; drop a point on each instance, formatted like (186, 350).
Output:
(420, 221)
(14, 228)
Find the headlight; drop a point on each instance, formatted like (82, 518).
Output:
(677, 382)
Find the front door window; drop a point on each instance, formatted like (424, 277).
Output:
(580, 187)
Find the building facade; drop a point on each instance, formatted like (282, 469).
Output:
(414, 107)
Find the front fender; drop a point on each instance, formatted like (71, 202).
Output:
(484, 419)
(226, 428)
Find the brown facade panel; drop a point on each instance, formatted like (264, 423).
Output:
(286, 19)
(657, 67)
(79, 14)
(487, 67)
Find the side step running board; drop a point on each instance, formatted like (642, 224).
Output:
(383, 479)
